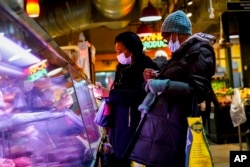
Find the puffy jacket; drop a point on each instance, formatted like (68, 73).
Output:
(161, 138)
(125, 98)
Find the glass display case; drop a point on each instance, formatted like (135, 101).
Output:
(46, 106)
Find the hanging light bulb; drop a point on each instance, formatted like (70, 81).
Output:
(190, 2)
(150, 13)
(144, 30)
(32, 8)
(189, 14)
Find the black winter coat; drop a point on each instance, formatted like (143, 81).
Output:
(162, 136)
(125, 98)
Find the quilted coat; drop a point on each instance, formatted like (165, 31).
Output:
(127, 94)
(161, 138)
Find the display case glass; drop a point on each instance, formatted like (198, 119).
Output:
(46, 110)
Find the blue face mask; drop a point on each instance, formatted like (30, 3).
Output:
(173, 46)
(123, 59)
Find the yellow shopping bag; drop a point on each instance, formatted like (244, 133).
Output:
(135, 164)
(197, 150)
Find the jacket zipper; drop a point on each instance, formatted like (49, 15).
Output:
(129, 116)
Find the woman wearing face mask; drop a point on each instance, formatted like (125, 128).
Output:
(187, 75)
(126, 93)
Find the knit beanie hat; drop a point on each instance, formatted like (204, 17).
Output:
(177, 22)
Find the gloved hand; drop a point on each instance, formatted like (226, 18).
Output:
(156, 86)
(147, 102)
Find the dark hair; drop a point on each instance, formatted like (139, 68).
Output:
(132, 42)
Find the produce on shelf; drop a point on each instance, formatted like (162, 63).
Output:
(224, 92)
(245, 95)
(225, 95)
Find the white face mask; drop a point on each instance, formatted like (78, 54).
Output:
(173, 46)
(123, 59)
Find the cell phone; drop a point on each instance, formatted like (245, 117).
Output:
(157, 72)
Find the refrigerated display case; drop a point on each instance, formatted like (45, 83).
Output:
(46, 107)
(42, 124)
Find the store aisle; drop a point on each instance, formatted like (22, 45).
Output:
(221, 152)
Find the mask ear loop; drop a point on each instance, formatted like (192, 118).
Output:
(170, 39)
(176, 39)
(173, 46)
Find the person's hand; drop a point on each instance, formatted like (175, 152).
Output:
(97, 90)
(149, 73)
(100, 92)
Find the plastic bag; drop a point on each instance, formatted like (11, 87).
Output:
(237, 110)
(102, 117)
(105, 156)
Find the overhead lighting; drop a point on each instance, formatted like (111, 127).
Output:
(233, 36)
(32, 8)
(211, 10)
(190, 2)
(150, 13)
(189, 14)
(144, 30)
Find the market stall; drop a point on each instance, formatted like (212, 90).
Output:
(219, 126)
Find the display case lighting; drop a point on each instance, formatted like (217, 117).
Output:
(15, 54)
(55, 72)
(19, 55)
(11, 70)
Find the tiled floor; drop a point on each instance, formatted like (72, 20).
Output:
(221, 152)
